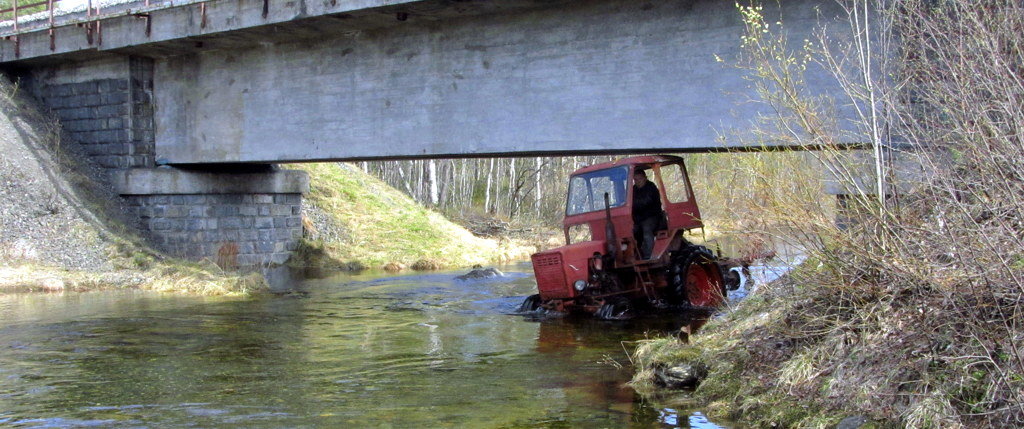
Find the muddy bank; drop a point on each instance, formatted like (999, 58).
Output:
(739, 366)
(174, 276)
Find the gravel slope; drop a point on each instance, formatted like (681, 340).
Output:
(43, 214)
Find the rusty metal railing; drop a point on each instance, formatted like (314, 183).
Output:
(17, 7)
(92, 24)
(14, 21)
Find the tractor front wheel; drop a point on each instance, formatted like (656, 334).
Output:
(531, 304)
(616, 309)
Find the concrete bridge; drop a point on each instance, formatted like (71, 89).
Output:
(222, 88)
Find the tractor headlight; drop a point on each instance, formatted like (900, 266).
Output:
(580, 285)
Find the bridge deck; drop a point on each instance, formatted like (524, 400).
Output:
(255, 81)
(159, 28)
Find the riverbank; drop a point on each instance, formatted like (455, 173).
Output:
(354, 220)
(808, 351)
(171, 277)
(757, 363)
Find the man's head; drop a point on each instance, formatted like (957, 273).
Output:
(640, 178)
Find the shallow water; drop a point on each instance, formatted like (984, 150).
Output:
(368, 350)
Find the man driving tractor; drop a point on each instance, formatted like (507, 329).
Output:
(646, 212)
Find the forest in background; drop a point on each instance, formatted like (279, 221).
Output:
(733, 189)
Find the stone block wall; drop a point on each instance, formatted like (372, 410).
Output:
(236, 230)
(110, 116)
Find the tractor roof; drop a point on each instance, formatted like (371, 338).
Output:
(634, 160)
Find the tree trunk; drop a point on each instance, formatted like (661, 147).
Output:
(513, 189)
(487, 194)
(536, 189)
(432, 182)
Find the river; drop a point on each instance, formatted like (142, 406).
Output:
(349, 350)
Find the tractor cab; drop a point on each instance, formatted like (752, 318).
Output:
(603, 268)
(588, 218)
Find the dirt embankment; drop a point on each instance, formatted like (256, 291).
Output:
(60, 226)
(353, 221)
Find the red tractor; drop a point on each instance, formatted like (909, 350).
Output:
(602, 269)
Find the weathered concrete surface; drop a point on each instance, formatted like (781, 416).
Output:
(593, 76)
(345, 80)
(157, 181)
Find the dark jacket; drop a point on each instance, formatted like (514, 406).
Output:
(646, 202)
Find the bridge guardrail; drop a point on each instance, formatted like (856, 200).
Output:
(46, 15)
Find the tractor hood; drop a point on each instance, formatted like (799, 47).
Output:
(557, 269)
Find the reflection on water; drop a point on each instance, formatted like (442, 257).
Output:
(348, 350)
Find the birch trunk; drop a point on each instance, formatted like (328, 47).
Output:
(432, 182)
(487, 194)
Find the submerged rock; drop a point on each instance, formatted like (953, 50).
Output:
(681, 376)
(353, 266)
(481, 273)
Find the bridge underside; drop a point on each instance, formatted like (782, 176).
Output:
(586, 77)
(440, 78)
(379, 79)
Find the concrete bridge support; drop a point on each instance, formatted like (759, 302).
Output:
(238, 219)
(238, 215)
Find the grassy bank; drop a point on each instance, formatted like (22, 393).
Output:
(355, 220)
(785, 357)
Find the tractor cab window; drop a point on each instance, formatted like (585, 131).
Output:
(673, 178)
(586, 191)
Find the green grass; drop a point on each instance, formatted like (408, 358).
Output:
(384, 225)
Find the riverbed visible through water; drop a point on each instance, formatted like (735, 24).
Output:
(349, 350)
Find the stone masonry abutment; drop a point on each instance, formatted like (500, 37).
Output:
(243, 219)
(240, 216)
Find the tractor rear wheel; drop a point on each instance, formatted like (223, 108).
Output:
(704, 284)
(694, 278)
